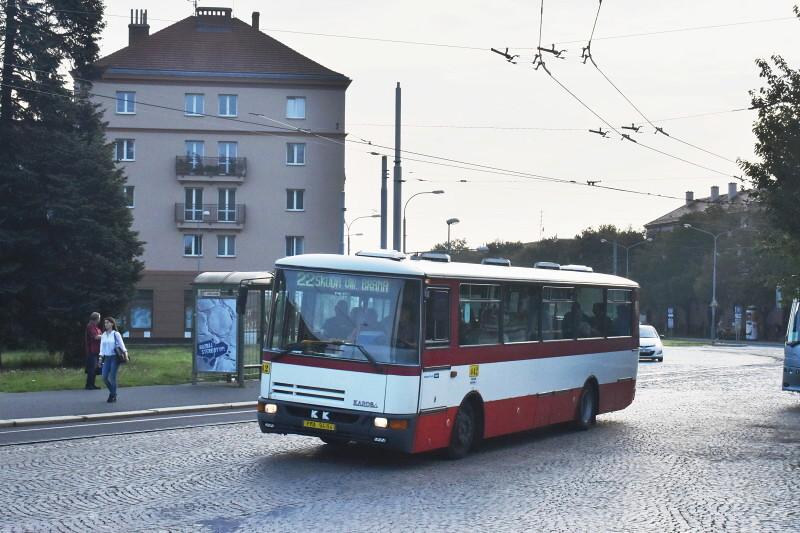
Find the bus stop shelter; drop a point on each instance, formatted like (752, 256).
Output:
(228, 338)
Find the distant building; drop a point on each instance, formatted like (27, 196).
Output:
(735, 201)
(211, 121)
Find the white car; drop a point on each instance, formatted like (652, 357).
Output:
(650, 346)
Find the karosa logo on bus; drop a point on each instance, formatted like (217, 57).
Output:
(365, 403)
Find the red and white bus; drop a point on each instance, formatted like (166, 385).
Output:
(424, 355)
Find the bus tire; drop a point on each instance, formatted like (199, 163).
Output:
(462, 438)
(587, 408)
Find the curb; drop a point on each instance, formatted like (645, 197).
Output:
(23, 422)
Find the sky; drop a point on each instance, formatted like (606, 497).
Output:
(464, 103)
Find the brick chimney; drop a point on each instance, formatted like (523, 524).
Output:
(731, 191)
(689, 197)
(714, 193)
(256, 16)
(138, 29)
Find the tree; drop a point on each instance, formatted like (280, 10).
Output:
(66, 244)
(776, 176)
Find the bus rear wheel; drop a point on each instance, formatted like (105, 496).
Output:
(463, 435)
(587, 408)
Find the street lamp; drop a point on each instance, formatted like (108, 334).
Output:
(627, 252)
(351, 223)
(404, 213)
(348, 240)
(713, 279)
(450, 222)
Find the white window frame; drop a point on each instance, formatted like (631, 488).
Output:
(226, 150)
(191, 110)
(227, 98)
(229, 242)
(291, 107)
(126, 144)
(132, 189)
(291, 149)
(226, 212)
(128, 101)
(295, 245)
(293, 195)
(195, 157)
(194, 208)
(197, 242)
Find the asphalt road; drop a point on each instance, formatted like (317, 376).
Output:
(710, 443)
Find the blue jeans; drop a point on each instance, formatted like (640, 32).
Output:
(110, 367)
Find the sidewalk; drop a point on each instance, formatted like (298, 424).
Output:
(184, 398)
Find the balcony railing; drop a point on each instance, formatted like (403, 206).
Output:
(210, 215)
(190, 165)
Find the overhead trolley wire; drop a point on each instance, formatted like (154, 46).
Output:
(438, 160)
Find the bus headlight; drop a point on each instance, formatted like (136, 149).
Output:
(270, 408)
(381, 422)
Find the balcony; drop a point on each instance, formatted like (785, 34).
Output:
(196, 168)
(210, 216)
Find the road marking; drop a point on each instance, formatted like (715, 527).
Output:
(126, 421)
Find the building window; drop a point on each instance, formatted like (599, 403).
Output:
(130, 201)
(226, 210)
(142, 310)
(294, 199)
(228, 152)
(194, 104)
(294, 245)
(193, 207)
(295, 153)
(195, 150)
(228, 105)
(192, 245)
(124, 150)
(126, 103)
(296, 107)
(226, 245)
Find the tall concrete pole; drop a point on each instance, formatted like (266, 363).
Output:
(614, 247)
(398, 175)
(342, 223)
(384, 201)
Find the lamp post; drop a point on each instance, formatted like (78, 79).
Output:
(206, 213)
(450, 222)
(347, 226)
(627, 252)
(713, 279)
(404, 213)
(348, 240)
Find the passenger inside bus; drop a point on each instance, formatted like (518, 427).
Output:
(339, 326)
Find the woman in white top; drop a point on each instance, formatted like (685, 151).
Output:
(109, 340)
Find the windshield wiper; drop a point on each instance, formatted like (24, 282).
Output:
(360, 348)
(296, 346)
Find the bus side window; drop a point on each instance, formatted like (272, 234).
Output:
(620, 312)
(437, 317)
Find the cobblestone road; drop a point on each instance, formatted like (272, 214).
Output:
(710, 444)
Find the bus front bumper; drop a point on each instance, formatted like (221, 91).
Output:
(337, 424)
(791, 378)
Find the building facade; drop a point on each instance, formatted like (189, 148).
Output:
(233, 148)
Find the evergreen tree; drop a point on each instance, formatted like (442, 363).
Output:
(66, 244)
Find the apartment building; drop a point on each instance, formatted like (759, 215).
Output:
(217, 126)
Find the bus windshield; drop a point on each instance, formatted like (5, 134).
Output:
(343, 315)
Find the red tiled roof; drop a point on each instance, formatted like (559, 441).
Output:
(215, 46)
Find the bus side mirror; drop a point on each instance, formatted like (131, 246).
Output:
(241, 300)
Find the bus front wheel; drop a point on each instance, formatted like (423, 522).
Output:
(463, 435)
(587, 408)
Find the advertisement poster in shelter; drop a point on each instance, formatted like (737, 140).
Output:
(215, 344)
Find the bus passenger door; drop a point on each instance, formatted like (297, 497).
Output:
(435, 379)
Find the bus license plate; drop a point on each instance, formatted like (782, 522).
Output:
(325, 426)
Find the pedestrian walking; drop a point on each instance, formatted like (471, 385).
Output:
(92, 348)
(110, 340)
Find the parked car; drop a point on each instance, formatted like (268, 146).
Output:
(650, 346)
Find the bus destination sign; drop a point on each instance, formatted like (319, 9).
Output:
(319, 280)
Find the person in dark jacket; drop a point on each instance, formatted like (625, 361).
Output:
(92, 346)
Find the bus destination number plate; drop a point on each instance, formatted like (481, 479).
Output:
(326, 426)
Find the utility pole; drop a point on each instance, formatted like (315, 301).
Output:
(614, 247)
(384, 201)
(398, 174)
(6, 105)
